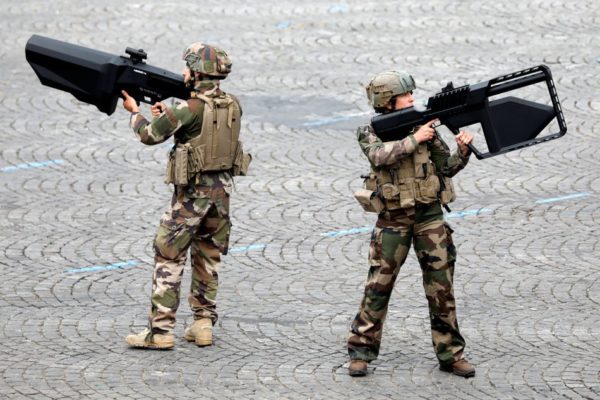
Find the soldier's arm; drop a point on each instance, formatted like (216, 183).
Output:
(162, 127)
(447, 164)
(381, 154)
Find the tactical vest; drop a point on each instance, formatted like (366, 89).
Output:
(412, 181)
(217, 146)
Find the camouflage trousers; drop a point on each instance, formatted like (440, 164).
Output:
(390, 242)
(200, 224)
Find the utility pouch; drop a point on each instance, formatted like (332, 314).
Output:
(447, 194)
(389, 191)
(242, 161)
(407, 194)
(181, 165)
(427, 189)
(393, 196)
(195, 157)
(170, 174)
(371, 182)
(369, 200)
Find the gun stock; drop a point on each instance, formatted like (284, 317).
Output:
(96, 77)
(508, 123)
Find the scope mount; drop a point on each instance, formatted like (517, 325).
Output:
(137, 56)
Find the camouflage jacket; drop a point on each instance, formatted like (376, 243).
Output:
(183, 124)
(385, 154)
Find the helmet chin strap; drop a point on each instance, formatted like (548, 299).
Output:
(190, 83)
(193, 79)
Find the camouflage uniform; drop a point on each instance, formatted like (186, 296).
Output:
(197, 219)
(424, 226)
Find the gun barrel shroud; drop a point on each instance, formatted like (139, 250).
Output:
(97, 77)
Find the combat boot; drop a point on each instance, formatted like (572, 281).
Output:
(461, 368)
(145, 339)
(200, 332)
(357, 368)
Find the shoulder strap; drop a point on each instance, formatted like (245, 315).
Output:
(204, 98)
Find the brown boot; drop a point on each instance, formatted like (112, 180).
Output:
(461, 368)
(357, 368)
(200, 332)
(146, 340)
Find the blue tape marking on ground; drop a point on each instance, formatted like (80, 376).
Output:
(332, 120)
(561, 198)
(283, 24)
(344, 232)
(461, 214)
(110, 267)
(353, 231)
(34, 164)
(326, 121)
(247, 248)
(341, 8)
(129, 264)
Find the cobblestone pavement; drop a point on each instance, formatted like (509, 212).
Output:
(81, 199)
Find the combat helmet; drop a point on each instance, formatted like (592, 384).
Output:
(386, 85)
(207, 60)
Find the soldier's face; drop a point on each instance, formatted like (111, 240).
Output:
(404, 100)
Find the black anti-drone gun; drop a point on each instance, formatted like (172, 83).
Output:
(508, 123)
(97, 78)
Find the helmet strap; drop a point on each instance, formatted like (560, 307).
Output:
(190, 84)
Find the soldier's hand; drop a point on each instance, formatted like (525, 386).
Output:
(129, 102)
(425, 132)
(463, 139)
(157, 108)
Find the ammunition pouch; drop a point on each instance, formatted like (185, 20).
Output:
(447, 194)
(181, 165)
(369, 200)
(170, 173)
(179, 170)
(241, 162)
(398, 195)
(368, 197)
(427, 190)
(195, 160)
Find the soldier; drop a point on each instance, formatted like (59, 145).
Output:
(409, 181)
(206, 154)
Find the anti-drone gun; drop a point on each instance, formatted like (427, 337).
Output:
(508, 123)
(96, 77)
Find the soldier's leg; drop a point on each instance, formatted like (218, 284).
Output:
(170, 246)
(210, 241)
(387, 253)
(437, 254)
